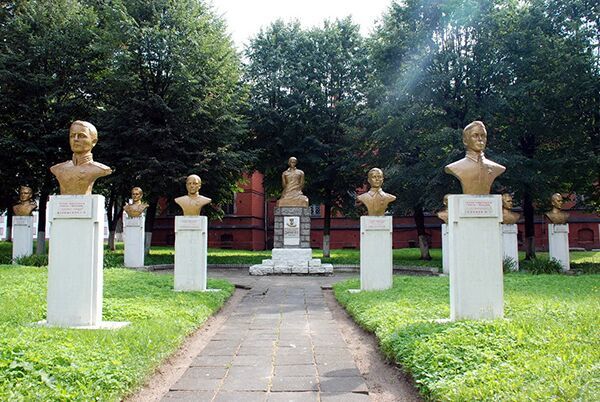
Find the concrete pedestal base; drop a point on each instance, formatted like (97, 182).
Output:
(376, 252)
(75, 261)
(291, 261)
(133, 233)
(558, 242)
(445, 250)
(106, 325)
(292, 228)
(475, 244)
(22, 236)
(510, 243)
(191, 244)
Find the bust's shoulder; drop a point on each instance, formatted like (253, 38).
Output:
(494, 165)
(60, 166)
(101, 167)
(452, 167)
(181, 199)
(205, 199)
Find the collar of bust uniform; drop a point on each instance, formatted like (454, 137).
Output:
(373, 192)
(82, 160)
(475, 156)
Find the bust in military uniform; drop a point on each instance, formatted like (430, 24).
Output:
(376, 200)
(556, 215)
(508, 216)
(192, 203)
(137, 207)
(475, 172)
(77, 176)
(26, 205)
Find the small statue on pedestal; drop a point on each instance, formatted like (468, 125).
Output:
(508, 216)
(376, 200)
(192, 203)
(77, 176)
(556, 215)
(137, 207)
(475, 172)
(292, 181)
(443, 213)
(26, 205)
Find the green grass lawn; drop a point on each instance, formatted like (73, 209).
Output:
(42, 364)
(547, 348)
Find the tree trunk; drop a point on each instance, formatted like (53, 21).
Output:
(529, 214)
(41, 234)
(113, 212)
(149, 225)
(419, 218)
(9, 216)
(326, 231)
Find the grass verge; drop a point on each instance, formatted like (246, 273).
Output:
(548, 348)
(38, 363)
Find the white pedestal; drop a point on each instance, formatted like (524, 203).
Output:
(375, 252)
(191, 243)
(475, 244)
(75, 261)
(445, 250)
(22, 236)
(558, 242)
(510, 243)
(133, 233)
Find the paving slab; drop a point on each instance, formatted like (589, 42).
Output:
(280, 344)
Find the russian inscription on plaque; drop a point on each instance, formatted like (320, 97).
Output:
(72, 207)
(189, 223)
(377, 223)
(478, 208)
(291, 230)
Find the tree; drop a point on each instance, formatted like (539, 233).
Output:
(307, 97)
(49, 64)
(173, 103)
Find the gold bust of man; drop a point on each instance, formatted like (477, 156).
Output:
(137, 207)
(475, 172)
(556, 215)
(26, 205)
(192, 203)
(78, 175)
(376, 200)
(508, 216)
(443, 213)
(292, 181)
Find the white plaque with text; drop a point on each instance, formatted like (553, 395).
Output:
(72, 207)
(291, 230)
(22, 220)
(476, 207)
(189, 223)
(377, 223)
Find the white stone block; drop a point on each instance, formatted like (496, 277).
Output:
(299, 269)
(445, 250)
(22, 236)
(558, 242)
(134, 236)
(315, 262)
(191, 243)
(75, 260)
(261, 269)
(376, 252)
(291, 256)
(510, 243)
(475, 244)
(321, 269)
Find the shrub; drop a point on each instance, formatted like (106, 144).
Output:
(540, 266)
(586, 267)
(509, 265)
(33, 260)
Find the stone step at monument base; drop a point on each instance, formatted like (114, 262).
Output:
(287, 261)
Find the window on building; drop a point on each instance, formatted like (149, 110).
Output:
(315, 210)
(229, 208)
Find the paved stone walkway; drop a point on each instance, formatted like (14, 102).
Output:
(280, 344)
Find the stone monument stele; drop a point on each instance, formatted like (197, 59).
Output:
(376, 231)
(474, 235)
(291, 253)
(134, 229)
(558, 232)
(22, 224)
(191, 239)
(443, 215)
(510, 230)
(76, 254)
